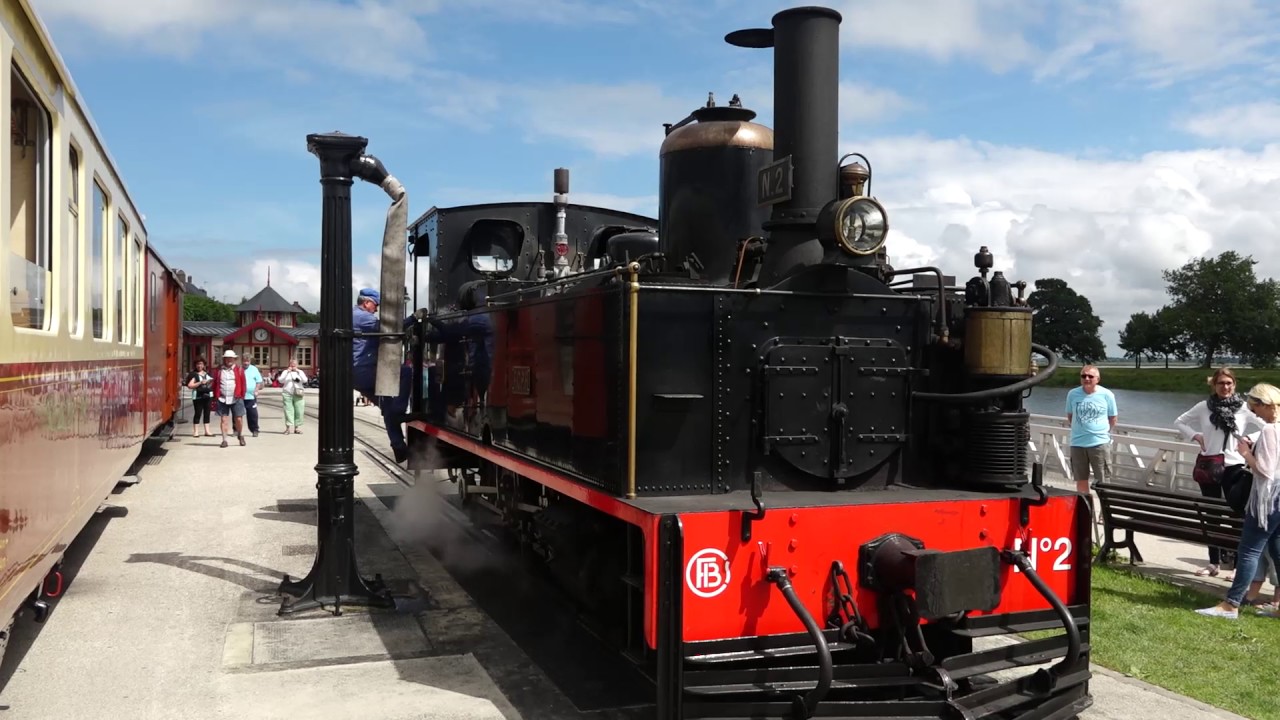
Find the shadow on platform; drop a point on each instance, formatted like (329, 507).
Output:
(301, 511)
(215, 567)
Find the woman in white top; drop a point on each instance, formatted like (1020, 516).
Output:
(292, 383)
(1262, 514)
(1214, 423)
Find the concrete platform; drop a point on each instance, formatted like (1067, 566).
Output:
(171, 609)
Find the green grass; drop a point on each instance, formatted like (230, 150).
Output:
(1144, 627)
(1183, 379)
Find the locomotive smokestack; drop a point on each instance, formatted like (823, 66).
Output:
(803, 178)
(806, 95)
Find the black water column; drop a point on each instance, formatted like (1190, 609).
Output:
(334, 579)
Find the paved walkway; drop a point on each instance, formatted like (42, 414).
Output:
(171, 608)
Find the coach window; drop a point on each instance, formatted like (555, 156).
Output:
(118, 249)
(72, 262)
(152, 299)
(97, 259)
(30, 248)
(136, 284)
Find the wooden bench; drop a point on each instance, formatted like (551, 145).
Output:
(1201, 520)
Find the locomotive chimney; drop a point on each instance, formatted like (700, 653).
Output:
(803, 178)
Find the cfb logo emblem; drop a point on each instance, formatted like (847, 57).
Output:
(707, 573)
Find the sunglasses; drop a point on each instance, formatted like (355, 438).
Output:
(1087, 375)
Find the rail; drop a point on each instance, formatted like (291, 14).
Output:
(1138, 455)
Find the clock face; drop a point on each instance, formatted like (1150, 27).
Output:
(260, 334)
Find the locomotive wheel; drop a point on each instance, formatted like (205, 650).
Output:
(463, 496)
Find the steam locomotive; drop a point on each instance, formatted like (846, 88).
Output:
(783, 476)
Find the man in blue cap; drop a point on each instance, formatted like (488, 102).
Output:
(364, 354)
(364, 351)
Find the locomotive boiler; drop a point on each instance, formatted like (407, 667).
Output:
(785, 477)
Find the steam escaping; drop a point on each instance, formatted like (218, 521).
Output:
(423, 517)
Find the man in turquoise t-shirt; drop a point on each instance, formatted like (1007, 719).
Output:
(1091, 412)
(252, 383)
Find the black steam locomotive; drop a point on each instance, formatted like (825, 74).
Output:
(784, 476)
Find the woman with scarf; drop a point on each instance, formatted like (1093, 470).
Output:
(1214, 424)
(1262, 513)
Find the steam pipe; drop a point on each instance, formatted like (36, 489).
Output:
(992, 393)
(943, 331)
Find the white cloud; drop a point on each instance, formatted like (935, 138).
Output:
(1238, 124)
(990, 31)
(608, 120)
(1161, 42)
(296, 280)
(1154, 42)
(387, 37)
(382, 38)
(1108, 227)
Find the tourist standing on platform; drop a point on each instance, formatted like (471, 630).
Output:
(1091, 413)
(200, 383)
(231, 388)
(1262, 512)
(1215, 424)
(292, 383)
(252, 384)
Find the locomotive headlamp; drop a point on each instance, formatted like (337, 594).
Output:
(861, 224)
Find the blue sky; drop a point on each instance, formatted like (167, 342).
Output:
(1100, 142)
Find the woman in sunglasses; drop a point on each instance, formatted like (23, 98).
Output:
(1262, 513)
(1214, 424)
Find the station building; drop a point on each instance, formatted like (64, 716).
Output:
(266, 329)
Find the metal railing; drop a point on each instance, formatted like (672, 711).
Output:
(1138, 455)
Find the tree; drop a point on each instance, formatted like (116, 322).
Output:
(1215, 302)
(195, 307)
(1137, 336)
(1168, 336)
(1063, 321)
(307, 317)
(1259, 336)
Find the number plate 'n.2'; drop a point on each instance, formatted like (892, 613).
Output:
(774, 182)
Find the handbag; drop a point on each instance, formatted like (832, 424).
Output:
(1208, 469)
(1237, 485)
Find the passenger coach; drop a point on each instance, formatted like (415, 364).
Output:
(89, 318)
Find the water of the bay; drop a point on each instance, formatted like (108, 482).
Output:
(1136, 407)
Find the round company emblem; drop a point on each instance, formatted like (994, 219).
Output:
(562, 249)
(707, 573)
